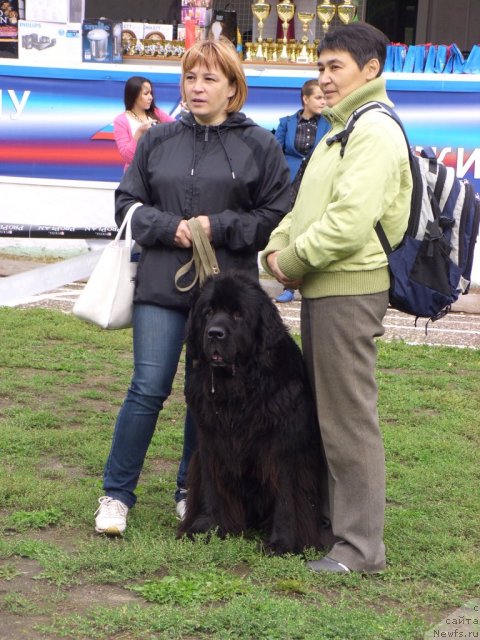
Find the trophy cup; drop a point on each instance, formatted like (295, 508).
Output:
(261, 10)
(285, 11)
(346, 11)
(305, 18)
(325, 13)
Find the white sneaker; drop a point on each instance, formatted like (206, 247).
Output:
(111, 517)
(181, 508)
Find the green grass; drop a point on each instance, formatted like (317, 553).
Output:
(61, 385)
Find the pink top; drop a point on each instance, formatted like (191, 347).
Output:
(122, 132)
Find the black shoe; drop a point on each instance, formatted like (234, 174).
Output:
(327, 564)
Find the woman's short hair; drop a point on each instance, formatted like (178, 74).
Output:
(133, 88)
(221, 54)
(361, 40)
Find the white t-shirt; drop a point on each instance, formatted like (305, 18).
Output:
(134, 123)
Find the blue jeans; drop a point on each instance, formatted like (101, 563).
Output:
(158, 337)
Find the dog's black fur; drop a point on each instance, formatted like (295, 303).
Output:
(259, 452)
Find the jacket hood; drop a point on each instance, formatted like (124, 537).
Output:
(234, 120)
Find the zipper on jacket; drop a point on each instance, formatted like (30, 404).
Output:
(206, 133)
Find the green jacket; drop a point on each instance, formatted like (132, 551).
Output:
(328, 240)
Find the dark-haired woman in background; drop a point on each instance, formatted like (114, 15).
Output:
(139, 115)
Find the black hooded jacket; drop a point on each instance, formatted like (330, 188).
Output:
(234, 173)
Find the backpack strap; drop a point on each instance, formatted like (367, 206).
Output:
(382, 236)
(343, 135)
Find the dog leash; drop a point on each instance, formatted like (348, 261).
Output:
(203, 259)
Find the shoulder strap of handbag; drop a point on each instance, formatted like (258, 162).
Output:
(203, 260)
(126, 224)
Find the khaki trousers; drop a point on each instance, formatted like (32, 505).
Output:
(338, 339)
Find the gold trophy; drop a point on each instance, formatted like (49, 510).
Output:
(261, 10)
(285, 11)
(305, 18)
(346, 11)
(325, 13)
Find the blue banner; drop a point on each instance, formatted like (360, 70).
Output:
(57, 123)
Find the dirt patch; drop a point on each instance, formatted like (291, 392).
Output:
(56, 469)
(160, 466)
(63, 539)
(21, 572)
(432, 413)
(18, 627)
(85, 597)
(23, 596)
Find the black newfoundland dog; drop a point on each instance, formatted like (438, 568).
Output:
(258, 457)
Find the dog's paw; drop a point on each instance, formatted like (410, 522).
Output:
(276, 547)
(201, 524)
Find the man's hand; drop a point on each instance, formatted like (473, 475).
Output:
(183, 236)
(278, 273)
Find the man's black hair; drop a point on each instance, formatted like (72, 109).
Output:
(361, 40)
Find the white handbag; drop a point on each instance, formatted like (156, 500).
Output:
(107, 299)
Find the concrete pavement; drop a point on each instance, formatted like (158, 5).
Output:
(461, 328)
(469, 303)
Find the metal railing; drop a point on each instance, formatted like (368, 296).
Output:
(19, 287)
(19, 230)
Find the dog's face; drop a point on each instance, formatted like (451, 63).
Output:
(231, 321)
(225, 337)
(228, 331)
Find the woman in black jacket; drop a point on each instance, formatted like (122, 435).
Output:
(218, 166)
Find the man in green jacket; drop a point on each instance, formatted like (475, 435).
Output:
(327, 246)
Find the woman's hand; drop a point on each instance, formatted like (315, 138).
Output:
(141, 130)
(183, 236)
(278, 273)
(205, 224)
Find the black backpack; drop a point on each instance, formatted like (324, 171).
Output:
(432, 265)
